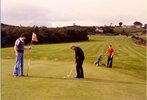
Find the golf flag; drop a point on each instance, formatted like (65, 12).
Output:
(34, 37)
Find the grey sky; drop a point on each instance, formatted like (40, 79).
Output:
(66, 12)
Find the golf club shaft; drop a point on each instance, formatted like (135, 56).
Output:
(71, 70)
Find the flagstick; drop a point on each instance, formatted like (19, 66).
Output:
(29, 60)
(34, 38)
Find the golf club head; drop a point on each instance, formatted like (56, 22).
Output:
(67, 76)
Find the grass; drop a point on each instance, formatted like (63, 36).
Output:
(128, 30)
(50, 63)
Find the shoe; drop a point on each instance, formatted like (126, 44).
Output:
(76, 77)
(79, 77)
(15, 75)
(21, 75)
(82, 77)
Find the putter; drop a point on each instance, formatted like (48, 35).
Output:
(67, 76)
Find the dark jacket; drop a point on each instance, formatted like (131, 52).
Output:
(79, 54)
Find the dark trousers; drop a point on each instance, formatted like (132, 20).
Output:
(109, 62)
(79, 69)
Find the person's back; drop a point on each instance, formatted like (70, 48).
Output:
(79, 53)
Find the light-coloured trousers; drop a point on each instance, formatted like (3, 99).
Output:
(18, 67)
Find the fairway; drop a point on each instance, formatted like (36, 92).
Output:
(51, 62)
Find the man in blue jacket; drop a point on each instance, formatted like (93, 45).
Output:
(79, 58)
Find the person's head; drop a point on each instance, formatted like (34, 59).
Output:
(23, 36)
(110, 46)
(72, 46)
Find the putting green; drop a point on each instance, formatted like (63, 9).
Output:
(51, 63)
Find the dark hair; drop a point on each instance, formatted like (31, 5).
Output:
(23, 35)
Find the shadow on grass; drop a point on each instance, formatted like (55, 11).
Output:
(45, 77)
(88, 79)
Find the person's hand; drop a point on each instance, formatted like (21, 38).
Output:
(75, 62)
(30, 47)
(16, 54)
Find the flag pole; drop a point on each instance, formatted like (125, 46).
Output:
(29, 60)
(34, 38)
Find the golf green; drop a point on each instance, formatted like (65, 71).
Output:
(50, 63)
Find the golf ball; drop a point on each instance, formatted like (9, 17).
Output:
(67, 75)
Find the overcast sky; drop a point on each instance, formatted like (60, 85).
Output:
(53, 13)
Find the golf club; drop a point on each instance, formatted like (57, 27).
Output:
(67, 76)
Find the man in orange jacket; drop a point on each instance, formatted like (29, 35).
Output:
(110, 53)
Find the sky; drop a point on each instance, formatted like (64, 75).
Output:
(58, 13)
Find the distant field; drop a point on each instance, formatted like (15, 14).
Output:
(127, 30)
(50, 63)
(143, 36)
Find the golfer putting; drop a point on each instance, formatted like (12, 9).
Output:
(79, 58)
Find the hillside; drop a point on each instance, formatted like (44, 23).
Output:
(45, 35)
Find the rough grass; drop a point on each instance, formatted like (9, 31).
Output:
(50, 63)
(127, 30)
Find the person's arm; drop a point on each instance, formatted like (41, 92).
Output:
(15, 49)
(76, 55)
(106, 52)
(28, 48)
(112, 54)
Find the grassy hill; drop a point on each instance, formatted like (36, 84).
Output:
(50, 63)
